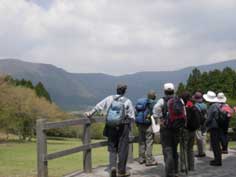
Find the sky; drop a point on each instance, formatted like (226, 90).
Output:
(118, 36)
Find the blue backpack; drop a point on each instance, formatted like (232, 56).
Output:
(143, 111)
(116, 112)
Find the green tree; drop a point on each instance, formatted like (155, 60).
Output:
(181, 89)
(194, 81)
(42, 92)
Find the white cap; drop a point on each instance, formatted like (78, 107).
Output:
(169, 86)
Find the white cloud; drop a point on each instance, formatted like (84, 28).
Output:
(118, 37)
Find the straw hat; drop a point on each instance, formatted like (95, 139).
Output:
(221, 98)
(210, 97)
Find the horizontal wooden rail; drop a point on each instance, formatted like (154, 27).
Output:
(72, 122)
(59, 154)
(75, 150)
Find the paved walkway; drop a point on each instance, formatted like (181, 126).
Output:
(203, 169)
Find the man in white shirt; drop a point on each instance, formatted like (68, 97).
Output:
(118, 136)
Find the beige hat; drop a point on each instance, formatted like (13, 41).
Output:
(210, 97)
(221, 98)
(151, 95)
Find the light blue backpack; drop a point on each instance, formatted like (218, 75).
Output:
(116, 112)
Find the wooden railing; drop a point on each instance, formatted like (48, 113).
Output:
(43, 157)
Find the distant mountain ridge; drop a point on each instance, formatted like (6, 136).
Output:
(74, 90)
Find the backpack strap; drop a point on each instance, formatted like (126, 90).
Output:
(116, 98)
(165, 106)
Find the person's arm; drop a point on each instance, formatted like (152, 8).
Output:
(130, 110)
(102, 105)
(157, 112)
(157, 109)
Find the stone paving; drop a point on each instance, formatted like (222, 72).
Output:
(203, 169)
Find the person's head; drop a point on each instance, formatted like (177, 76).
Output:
(221, 98)
(121, 89)
(197, 97)
(210, 97)
(151, 95)
(169, 89)
(186, 96)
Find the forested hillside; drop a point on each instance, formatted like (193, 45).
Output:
(215, 80)
(21, 104)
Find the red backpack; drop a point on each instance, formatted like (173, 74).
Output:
(174, 112)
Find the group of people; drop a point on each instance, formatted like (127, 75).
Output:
(182, 119)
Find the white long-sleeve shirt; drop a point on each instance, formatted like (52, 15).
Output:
(106, 103)
(157, 109)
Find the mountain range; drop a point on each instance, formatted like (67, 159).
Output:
(72, 91)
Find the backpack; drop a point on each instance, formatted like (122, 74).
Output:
(116, 112)
(225, 113)
(174, 112)
(143, 109)
(193, 117)
(202, 108)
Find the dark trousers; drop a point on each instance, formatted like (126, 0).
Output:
(224, 140)
(224, 136)
(186, 150)
(118, 146)
(169, 142)
(215, 144)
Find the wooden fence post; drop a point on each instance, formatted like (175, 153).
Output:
(130, 157)
(42, 166)
(87, 155)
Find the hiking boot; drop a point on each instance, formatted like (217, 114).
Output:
(176, 175)
(200, 155)
(153, 163)
(113, 172)
(215, 163)
(127, 173)
(141, 161)
(224, 152)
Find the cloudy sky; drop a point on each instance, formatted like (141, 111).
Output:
(118, 36)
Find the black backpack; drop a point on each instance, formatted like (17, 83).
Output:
(202, 109)
(193, 117)
(224, 115)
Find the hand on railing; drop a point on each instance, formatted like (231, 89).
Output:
(89, 114)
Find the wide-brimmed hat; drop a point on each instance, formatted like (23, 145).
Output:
(221, 98)
(210, 97)
(197, 97)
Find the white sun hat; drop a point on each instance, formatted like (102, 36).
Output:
(221, 98)
(169, 86)
(210, 97)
